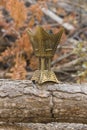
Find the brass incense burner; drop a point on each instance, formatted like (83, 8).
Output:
(44, 45)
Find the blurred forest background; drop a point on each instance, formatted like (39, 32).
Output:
(17, 59)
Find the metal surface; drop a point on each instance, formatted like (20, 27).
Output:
(44, 45)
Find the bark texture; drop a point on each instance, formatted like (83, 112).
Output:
(38, 126)
(23, 101)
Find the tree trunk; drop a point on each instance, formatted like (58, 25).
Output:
(50, 126)
(23, 101)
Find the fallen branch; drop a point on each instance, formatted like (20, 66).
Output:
(57, 19)
(61, 58)
(23, 101)
(70, 64)
(54, 17)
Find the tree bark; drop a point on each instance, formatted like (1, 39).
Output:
(23, 101)
(49, 126)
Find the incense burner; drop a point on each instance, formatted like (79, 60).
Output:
(44, 46)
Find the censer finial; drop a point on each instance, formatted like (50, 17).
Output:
(44, 45)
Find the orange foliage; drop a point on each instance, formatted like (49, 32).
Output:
(34, 63)
(55, 1)
(2, 2)
(24, 44)
(17, 11)
(18, 71)
(36, 12)
(31, 22)
(1, 16)
(6, 53)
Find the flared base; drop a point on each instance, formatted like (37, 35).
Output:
(44, 76)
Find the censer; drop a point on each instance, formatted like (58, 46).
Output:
(44, 46)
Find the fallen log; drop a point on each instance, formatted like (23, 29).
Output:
(23, 101)
(39, 126)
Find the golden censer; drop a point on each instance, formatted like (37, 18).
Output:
(44, 45)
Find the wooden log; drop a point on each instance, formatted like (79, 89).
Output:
(39, 126)
(23, 101)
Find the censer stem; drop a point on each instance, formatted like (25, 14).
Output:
(42, 64)
(49, 64)
(39, 64)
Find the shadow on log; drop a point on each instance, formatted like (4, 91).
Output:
(22, 101)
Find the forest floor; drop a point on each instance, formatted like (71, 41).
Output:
(70, 60)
